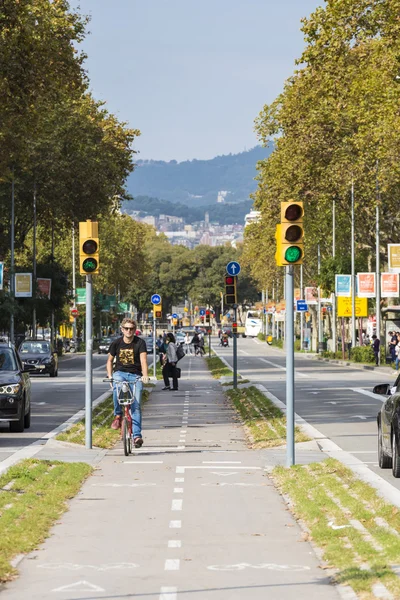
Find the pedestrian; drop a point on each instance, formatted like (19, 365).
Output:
(195, 343)
(392, 345)
(375, 347)
(170, 362)
(188, 339)
(130, 354)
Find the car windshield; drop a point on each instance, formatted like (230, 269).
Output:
(34, 348)
(105, 341)
(7, 361)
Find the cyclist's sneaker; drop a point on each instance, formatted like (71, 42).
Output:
(138, 442)
(116, 424)
(166, 387)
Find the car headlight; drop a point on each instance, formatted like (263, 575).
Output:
(11, 388)
(46, 361)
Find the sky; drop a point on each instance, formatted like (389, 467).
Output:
(191, 75)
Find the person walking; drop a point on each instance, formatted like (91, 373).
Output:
(170, 361)
(188, 340)
(397, 352)
(375, 347)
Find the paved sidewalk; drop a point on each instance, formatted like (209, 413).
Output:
(193, 514)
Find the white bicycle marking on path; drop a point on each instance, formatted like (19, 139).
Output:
(79, 586)
(78, 567)
(269, 566)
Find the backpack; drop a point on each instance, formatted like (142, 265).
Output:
(180, 352)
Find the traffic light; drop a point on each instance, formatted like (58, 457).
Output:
(234, 327)
(88, 247)
(157, 311)
(207, 321)
(290, 235)
(230, 289)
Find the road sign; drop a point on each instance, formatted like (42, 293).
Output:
(74, 312)
(233, 268)
(156, 299)
(202, 312)
(301, 306)
(174, 316)
(344, 307)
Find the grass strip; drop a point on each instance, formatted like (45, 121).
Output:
(264, 421)
(327, 497)
(102, 434)
(240, 381)
(217, 367)
(33, 496)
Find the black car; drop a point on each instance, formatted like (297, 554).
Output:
(39, 356)
(104, 345)
(15, 390)
(388, 426)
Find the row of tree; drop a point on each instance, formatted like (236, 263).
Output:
(337, 121)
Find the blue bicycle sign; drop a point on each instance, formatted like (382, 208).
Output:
(156, 299)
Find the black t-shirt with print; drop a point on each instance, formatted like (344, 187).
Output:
(128, 355)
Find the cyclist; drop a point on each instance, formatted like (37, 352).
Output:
(130, 354)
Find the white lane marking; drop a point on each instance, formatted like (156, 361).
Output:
(179, 479)
(181, 447)
(174, 544)
(284, 368)
(180, 470)
(176, 504)
(175, 524)
(39, 403)
(78, 567)
(371, 394)
(222, 462)
(168, 593)
(244, 352)
(178, 490)
(172, 564)
(144, 462)
(223, 474)
(359, 417)
(330, 402)
(118, 485)
(332, 525)
(183, 430)
(269, 566)
(79, 586)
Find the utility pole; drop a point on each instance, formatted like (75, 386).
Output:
(334, 336)
(290, 456)
(73, 285)
(88, 362)
(320, 332)
(12, 266)
(378, 264)
(34, 262)
(353, 274)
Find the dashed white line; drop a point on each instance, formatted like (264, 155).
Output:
(172, 564)
(174, 544)
(179, 479)
(175, 524)
(176, 504)
(168, 593)
(178, 490)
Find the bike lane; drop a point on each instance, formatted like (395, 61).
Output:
(191, 514)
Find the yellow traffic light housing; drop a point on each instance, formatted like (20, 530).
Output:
(290, 235)
(88, 247)
(157, 311)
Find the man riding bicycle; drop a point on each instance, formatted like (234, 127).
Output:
(130, 354)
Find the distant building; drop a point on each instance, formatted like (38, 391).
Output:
(207, 219)
(252, 217)
(221, 196)
(150, 220)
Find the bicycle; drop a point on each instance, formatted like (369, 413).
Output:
(126, 393)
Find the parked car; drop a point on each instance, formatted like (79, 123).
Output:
(39, 356)
(388, 421)
(15, 390)
(104, 345)
(149, 343)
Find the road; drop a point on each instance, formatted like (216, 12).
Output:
(336, 399)
(54, 400)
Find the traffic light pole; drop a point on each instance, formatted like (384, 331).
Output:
(235, 350)
(154, 348)
(290, 458)
(89, 355)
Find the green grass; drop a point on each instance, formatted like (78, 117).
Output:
(264, 421)
(33, 496)
(240, 381)
(102, 434)
(328, 492)
(217, 367)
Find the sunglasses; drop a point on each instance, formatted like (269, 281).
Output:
(128, 328)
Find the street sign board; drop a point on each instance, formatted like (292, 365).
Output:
(301, 306)
(156, 299)
(233, 268)
(344, 307)
(394, 258)
(202, 312)
(174, 316)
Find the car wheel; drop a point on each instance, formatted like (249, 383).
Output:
(53, 373)
(395, 457)
(18, 426)
(27, 419)
(385, 461)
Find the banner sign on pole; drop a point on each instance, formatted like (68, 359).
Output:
(80, 296)
(344, 307)
(23, 285)
(389, 285)
(343, 286)
(44, 287)
(1, 275)
(394, 258)
(311, 295)
(366, 285)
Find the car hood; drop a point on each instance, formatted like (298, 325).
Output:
(9, 377)
(32, 356)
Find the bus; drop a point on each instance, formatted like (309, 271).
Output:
(253, 324)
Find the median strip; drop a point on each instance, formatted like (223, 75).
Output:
(358, 532)
(33, 495)
(264, 422)
(218, 368)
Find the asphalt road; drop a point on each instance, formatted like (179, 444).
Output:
(336, 399)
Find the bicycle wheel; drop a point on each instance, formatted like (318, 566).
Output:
(126, 439)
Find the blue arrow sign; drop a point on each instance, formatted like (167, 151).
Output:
(202, 312)
(301, 306)
(174, 316)
(156, 299)
(233, 268)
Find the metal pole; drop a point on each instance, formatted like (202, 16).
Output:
(89, 356)
(12, 265)
(34, 262)
(378, 272)
(263, 305)
(154, 348)
(301, 313)
(73, 285)
(209, 342)
(320, 332)
(235, 350)
(353, 275)
(334, 335)
(290, 458)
